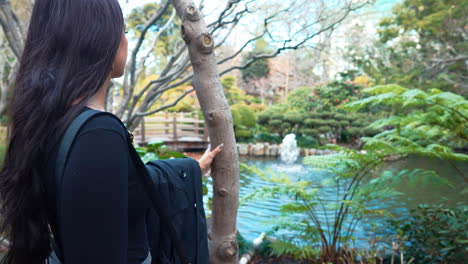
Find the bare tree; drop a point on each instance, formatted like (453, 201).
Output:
(225, 170)
(178, 70)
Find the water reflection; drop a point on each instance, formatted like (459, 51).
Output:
(253, 217)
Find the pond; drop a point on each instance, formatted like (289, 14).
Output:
(254, 217)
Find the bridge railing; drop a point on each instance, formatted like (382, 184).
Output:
(171, 127)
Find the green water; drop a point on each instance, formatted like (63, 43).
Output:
(253, 217)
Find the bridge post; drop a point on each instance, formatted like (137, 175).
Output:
(195, 123)
(142, 129)
(174, 126)
(166, 122)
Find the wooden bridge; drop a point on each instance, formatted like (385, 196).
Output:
(179, 131)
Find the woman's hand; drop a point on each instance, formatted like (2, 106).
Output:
(207, 158)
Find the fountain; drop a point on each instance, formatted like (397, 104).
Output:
(289, 151)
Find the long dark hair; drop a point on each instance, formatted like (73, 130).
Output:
(69, 52)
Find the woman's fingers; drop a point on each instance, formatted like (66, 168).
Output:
(208, 156)
(216, 150)
(207, 149)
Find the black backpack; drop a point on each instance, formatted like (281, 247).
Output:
(176, 223)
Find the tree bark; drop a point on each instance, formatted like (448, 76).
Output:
(222, 241)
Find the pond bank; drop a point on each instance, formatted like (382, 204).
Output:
(265, 149)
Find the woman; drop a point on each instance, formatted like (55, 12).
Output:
(73, 49)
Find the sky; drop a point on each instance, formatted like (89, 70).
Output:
(368, 17)
(373, 13)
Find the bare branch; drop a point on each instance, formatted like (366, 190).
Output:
(128, 88)
(166, 106)
(286, 45)
(163, 78)
(11, 27)
(155, 42)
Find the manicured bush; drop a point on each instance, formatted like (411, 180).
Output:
(435, 233)
(243, 120)
(343, 123)
(324, 129)
(243, 133)
(268, 137)
(305, 141)
(294, 117)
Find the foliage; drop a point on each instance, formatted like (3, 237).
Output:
(435, 233)
(257, 107)
(332, 95)
(422, 44)
(157, 150)
(166, 44)
(243, 120)
(304, 141)
(186, 104)
(317, 112)
(267, 137)
(418, 117)
(233, 93)
(259, 68)
(302, 98)
(353, 172)
(351, 175)
(271, 118)
(327, 97)
(332, 126)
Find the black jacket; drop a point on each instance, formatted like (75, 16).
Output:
(178, 181)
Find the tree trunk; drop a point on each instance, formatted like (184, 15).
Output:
(225, 168)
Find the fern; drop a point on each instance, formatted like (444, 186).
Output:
(422, 123)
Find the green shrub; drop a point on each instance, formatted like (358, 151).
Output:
(247, 115)
(340, 116)
(305, 141)
(294, 117)
(236, 117)
(313, 122)
(285, 125)
(243, 133)
(343, 123)
(313, 115)
(369, 132)
(275, 122)
(324, 129)
(263, 118)
(354, 131)
(268, 137)
(435, 233)
(243, 119)
(302, 98)
(278, 116)
(357, 122)
(326, 114)
(332, 123)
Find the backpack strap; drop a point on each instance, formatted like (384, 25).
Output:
(62, 156)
